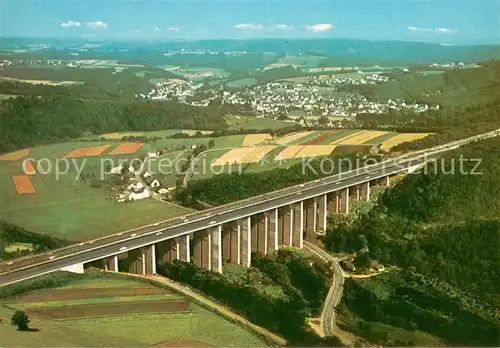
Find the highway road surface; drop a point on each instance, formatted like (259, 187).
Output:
(28, 267)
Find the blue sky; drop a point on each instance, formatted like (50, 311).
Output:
(451, 21)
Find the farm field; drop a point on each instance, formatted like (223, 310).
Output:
(44, 82)
(201, 73)
(250, 122)
(99, 309)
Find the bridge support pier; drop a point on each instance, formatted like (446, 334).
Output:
(344, 201)
(272, 237)
(286, 227)
(149, 259)
(298, 225)
(202, 257)
(365, 191)
(310, 215)
(322, 210)
(136, 262)
(245, 241)
(112, 264)
(215, 234)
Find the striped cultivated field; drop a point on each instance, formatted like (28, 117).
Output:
(258, 154)
(402, 138)
(254, 139)
(292, 137)
(121, 135)
(88, 151)
(14, 156)
(288, 153)
(126, 149)
(316, 140)
(315, 150)
(360, 137)
(233, 156)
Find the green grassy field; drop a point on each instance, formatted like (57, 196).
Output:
(248, 122)
(121, 330)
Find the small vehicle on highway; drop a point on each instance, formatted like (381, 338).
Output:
(156, 224)
(81, 244)
(52, 257)
(159, 233)
(212, 222)
(338, 182)
(367, 177)
(133, 235)
(302, 185)
(298, 193)
(123, 248)
(319, 180)
(10, 263)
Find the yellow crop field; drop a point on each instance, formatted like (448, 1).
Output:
(193, 132)
(315, 150)
(289, 152)
(402, 138)
(233, 156)
(258, 154)
(361, 138)
(253, 139)
(42, 82)
(293, 136)
(346, 140)
(14, 156)
(121, 135)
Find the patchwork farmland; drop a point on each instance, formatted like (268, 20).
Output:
(99, 309)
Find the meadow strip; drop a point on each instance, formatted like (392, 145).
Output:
(315, 150)
(28, 168)
(233, 156)
(14, 156)
(86, 293)
(364, 137)
(288, 153)
(253, 139)
(23, 184)
(115, 136)
(258, 154)
(110, 309)
(347, 139)
(402, 138)
(126, 149)
(293, 136)
(88, 151)
(316, 139)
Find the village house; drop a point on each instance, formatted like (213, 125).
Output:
(116, 170)
(155, 183)
(140, 194)
(135, 185)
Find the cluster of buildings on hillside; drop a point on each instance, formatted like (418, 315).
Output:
(281, 98)
(140, 184)
(363, 79)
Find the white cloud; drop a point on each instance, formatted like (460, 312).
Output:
(70, 24)
(157, 29)
(317, 28)
(433, 30)
(283, 26)
(173, 29)
(445, 30)
(248, 26)
(97, 25)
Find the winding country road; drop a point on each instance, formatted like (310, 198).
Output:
(335, 292)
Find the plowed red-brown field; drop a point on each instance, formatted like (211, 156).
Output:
(84, 293)
(125, 149)
(315, 140)
(110, 309)
(88, 151)
(23, 184)
(182, 343)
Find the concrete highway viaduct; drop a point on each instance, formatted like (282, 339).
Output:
(229, 233)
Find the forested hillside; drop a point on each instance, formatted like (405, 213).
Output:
(29, 121)
(443, 229)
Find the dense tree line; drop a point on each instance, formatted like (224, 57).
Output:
(304, 288)
(226, 188)
(439, 224)
(10, 233)
(29, 121)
